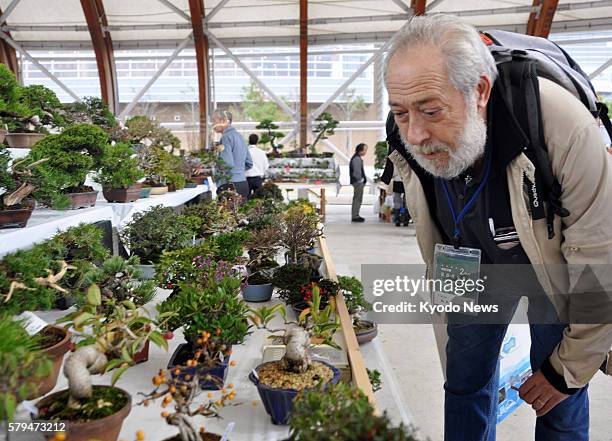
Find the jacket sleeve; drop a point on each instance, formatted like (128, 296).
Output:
(355, 170)
(227, 154)
(248, 160)
(583, 168)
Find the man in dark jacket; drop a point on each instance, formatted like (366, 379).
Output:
(358, 180)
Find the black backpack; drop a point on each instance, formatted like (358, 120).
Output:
(520, 60)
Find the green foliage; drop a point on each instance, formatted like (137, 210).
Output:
(20, 360)
(156, 230)
(374, 376)
(81, 242)
(324, 129)
(289, 279)
(119, 167)
(119, 280)
(256, 106)
(91, 110)
(381, 150)
(43, 102)
(269, 190)
(261, 213)
(71, 155)
(9, 88)
(341, 413)
(205, 309)
(229, 245)
(299, 230)
(353, 294)
(213, 218)
(270, 135)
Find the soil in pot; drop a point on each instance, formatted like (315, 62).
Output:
(121, 195)
(185, 352)
(55, 342)
(272, 375)
(90, 421)
(15, 217)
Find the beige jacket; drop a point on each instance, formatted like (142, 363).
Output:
(582, 166)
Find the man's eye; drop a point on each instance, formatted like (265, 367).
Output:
(401, 115)
(433, 112)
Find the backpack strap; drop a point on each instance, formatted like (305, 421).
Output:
(602, 114)
(519, 77)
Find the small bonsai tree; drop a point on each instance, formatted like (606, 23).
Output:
(91, 110)
(119, 167)
(263, 246)
(71, 156)
(144, 130)
(156, 230)
(324, 129)
(341, 412)
(22, 365)
(181, 392)
(270, 135)
(15, 179)
(213, 218)
(269, 190)
(299, 231)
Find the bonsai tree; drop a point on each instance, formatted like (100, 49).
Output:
(119, 167)
(341, 412)
(299, 231)
(71, 155)
(144, 130)
(269, 190)
(180, 393)
(260, 213)
(192, 166)
(20, 361)
(16, 180)
(270, 135)
(156, 230)
(263, 246)
(213, 218)
(324, 129)
(92, 110)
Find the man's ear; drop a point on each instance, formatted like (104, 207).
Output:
(484, 92)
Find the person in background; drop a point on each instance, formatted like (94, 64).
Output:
(358, 180)
(234, 153)
(400, 213)
(255, 175)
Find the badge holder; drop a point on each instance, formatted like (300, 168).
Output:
(452, 265)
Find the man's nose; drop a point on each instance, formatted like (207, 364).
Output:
(417, 133)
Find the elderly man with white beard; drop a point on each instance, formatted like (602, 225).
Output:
(461, 155)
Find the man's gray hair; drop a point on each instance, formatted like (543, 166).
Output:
(224, 114)
(467, 57)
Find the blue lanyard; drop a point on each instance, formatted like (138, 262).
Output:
(458, 218)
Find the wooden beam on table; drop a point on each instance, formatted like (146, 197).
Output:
(103, 49)
(418, 7)
(303, 138)
(540, 20)
(358, 369)
(196, 7)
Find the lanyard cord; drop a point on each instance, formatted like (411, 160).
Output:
(458, 218)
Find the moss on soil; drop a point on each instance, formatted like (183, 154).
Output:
(272, 375)
(105, 401)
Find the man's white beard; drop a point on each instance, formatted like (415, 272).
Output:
(470, 147)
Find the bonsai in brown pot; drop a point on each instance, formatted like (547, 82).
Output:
(109, 342)
(119, 173)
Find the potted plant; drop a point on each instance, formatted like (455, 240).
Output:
(180, 394)
(327, 289)
(154, 231)
(93, 110)
(269, 190)
(352, 289)
(16, 204)
(299, 231)
(325, 128)
(192, 169)
(341, 412)
(22, 367)
(71, 155)
(213, 218)
(262, 247)
(214, 309)
(278, 382)
(119, 173)
(107, 341)
(270, 135)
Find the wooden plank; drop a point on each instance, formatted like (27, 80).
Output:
(547, 14)
(358, 368)
(200, 40)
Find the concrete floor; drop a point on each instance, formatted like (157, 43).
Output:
(410, 349)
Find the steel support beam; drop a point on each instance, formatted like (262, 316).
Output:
(8, 56)
(103, 49)
(250, 73)
(9, 9)
(601, 69)
(433, 4)
(418, 6)
(403, 6)
(540, 20)
(175, 8)
(215, 10)
(348, 82)
(196, 8)
(155, 76)
(32, 60)
(303, 74)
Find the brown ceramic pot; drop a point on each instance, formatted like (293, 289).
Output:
(56, 354)
(122, 195)
(15, 218)
(82, 200)
(23, 140)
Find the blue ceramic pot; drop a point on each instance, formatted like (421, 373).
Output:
(182, 354)
(257, 293)
(145, 192)
(279, 402)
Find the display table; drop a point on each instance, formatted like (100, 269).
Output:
(45, 223)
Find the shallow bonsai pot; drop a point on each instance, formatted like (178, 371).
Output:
(366, 335)
(279, 402)
(56, 354)
(104, 429)
(145, 192)
(171, 188)
(82, 200)
(190, 185)
(183, 353)
(23, 140)
(15, 218)
(257, 293)
(155, 191)
(122, 195)
(148, 271)
(199, 180)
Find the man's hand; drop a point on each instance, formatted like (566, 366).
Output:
(538, 392)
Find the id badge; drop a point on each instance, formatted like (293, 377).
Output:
(455, 275)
